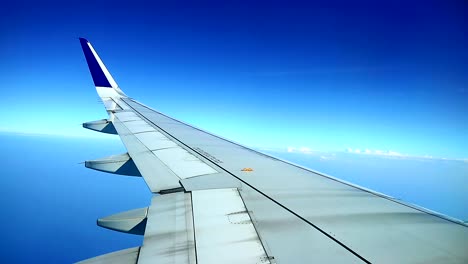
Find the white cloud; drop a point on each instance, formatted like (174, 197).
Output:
(394, 153)
(305, 150)
(375, 152)
(330, 157)
(365, 151)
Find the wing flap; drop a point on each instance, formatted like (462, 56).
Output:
(157, 176)
(155, 140)
(161, 161)
(169, 236)
(205, 226)
(182, 163)
(223, 229)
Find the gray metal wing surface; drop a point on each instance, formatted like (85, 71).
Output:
(218, 201)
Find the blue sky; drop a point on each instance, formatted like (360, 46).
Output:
(327, 76)
(386, 75)
(55, 201)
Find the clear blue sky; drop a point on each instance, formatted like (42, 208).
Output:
(329, 75)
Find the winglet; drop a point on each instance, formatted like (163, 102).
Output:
(99, 72)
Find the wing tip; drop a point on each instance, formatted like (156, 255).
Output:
(99, 72)
(83, 40)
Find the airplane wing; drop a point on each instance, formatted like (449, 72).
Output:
(216, 201)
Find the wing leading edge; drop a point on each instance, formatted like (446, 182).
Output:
(207, 208)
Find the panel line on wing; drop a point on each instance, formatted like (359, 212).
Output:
(193, 228)
(175, 158)
(381, 195)
(266, 196)
(251, 215)
(223, 209)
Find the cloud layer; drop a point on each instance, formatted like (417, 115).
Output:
(365, 151)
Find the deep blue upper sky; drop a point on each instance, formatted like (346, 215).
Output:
(328, 75)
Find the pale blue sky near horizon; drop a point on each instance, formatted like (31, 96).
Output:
(55, 201)
(388, 76)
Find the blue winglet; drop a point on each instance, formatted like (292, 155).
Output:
(99, 77)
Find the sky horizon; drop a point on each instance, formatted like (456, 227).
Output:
(286, 149)
(45, 180)
(381, 77)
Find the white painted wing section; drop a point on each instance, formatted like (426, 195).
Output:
(161, 161)
(206, 226)
(154, 140)
(157, 176)
(128, 116)
(169, 237)
(182, 163)
(106, 93)
(138, 126)
(110, 105)
(224, 232)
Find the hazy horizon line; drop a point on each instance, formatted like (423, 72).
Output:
(376, 153)
(285, 149)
